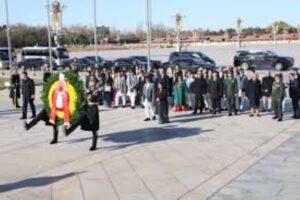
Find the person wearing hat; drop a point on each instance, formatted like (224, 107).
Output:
(231, 91)
(278, 92)
(89, 116)
(294, 94)
(148, 99)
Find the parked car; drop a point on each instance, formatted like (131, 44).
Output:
(189, 63)
(257, 59)
(143, 60)
(192, 54)
(35, 63)
(101, 61)
(81, 63)
(123, 63)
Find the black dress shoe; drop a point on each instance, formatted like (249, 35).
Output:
(229, 114)
(154, 118)
(194, 113)
(93, 148)
(133, 107)
(22, 118)
(25, 126)
(147, 119)
(275, 117)
(280, 120)
(53, 142)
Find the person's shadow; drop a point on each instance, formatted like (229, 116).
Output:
(125, 139)
(34, 182)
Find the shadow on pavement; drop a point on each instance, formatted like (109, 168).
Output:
(34, 182)
(147, 135)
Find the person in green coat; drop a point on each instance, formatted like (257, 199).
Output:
(231, 92)
(180, 92)
(278, 91)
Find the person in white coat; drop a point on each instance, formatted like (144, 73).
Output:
(132, 83)
(148, 99)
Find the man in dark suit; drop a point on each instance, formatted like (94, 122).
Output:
(294, 94)
(199, 88)
(215, 89)
(28, 92)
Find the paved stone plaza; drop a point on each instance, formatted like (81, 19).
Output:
(193, 157)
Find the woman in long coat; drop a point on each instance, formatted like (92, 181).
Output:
(162, 101)
(254, 92)
(180, 91)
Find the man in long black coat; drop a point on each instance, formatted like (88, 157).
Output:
(216, 89)
(28, 92)
(199, 88)
(294, 94)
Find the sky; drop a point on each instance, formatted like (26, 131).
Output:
(127, 14)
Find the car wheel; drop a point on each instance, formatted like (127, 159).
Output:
(279, 66)
(245, 66)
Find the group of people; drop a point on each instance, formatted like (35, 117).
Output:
(160, 89)
(205, 90)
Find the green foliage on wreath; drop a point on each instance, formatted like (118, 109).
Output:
(74, 80)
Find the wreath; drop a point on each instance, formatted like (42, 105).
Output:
(75, 91)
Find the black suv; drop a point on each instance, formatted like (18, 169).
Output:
(192, 54)
(188, 63)
(253, 60)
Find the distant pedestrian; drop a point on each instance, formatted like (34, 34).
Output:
(14, 88)
(28, 95)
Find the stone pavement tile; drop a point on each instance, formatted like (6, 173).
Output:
(191, 177)
(67, 189)
(123, 177)
(96, 185)
(166, 189)
(136, 197)
(208, 165)
(38, 193)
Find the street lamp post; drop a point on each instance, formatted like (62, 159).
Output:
(49, 35)
(95, 32)
(149, 35)
(239, 31)
(8, 35)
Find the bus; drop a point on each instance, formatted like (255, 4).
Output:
(60, 55)
(4, 57)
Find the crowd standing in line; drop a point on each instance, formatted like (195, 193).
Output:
(161, 89)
